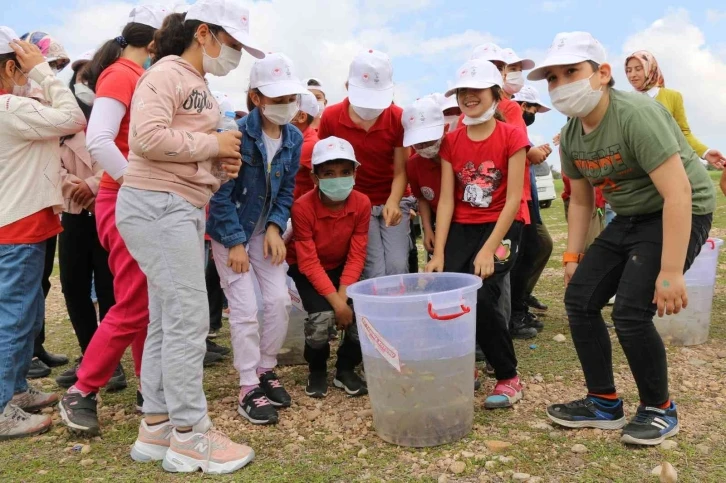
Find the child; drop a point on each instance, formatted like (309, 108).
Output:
(480, 216)
(309, 109)
(246, 222)
(370, 121)
(160, 214)
(316, 88)
(31, 198)
(323, 266)
(633, 149)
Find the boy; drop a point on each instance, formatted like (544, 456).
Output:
(323, 266)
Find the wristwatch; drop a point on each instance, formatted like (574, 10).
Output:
(568, 257)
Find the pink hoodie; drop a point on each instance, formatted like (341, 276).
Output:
(173, 116)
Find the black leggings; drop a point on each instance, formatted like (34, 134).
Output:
(50, 246)
(529, 253)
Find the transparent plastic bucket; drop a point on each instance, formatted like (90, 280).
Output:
(692, 324)
(417, 334)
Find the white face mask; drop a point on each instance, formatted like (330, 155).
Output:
(577, 99)
(24, 90)
(226, 62)
(281, 114)
(84, 94)
(513, 82)
(321, 108)
(488, 114)
(430, 152)
(366, 113)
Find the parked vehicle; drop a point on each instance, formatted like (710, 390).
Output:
(545, 185)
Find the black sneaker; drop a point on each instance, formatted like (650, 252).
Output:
(317, 385)
(479, 354)
(52, 360)
(519, 329)
(651, 426)
(274, 391)
(489, 369)
(588, 413)
(531, 320)
(211, 358)
(535, 303)
(118, 380)
(139, 402)
(351, 383)
(79, 413)
(217, 349)
(257, 409)
(38, 369)
(69, 377)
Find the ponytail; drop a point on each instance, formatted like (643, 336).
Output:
(497, 95)
(133, 34)
(176, 35)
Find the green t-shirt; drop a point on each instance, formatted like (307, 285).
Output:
(636, 136)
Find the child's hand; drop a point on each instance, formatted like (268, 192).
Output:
(556, 139)
(392, 214)
(436, 264)
(82, 194)
(229, 144)
(569, 272)
(231, 166)
(274, 245)
(343, 292)
(715, 158)
(670, 293)
(343, 316)
(28, 55)
(238, 259)
(484, 263)
(428, 241)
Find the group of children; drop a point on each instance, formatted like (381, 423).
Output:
(324, 194)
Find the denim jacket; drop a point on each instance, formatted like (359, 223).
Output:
(235, 209)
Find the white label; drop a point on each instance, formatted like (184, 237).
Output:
(382, 345)
(296, 301)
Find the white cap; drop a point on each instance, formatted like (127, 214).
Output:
(444, 102)
(83, 58)
(333, 148)
(309, 104)
(511, 57)
(570, 48)
(423, 121)
(7, 35)
(319, 87)
(530, 95)
(224, 102)
(275, 76)
(370, 80)
(491, 52)
(231, 16)
(152, 15)
(476, 74)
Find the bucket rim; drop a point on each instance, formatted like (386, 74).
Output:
(476, 283)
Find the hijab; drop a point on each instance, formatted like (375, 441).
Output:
(653, 74)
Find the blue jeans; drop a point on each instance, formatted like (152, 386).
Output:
(22, 309)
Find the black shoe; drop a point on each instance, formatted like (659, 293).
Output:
(257, 409)
(479, 354)
(211, 358)
(317, 385)
(351, 383)
(588, 413)
(139, 402)
(518, 328)
(69, 377)
(117, 381)
(651, 426)
(274, 391)
(38, 369)
(532, 321)
(52, 360)
(218, 349)
(79, 413)
(213, 334)
(489, 369)
(535, 303)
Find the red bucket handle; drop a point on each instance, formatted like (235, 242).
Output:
(712, 242)
(464, 310)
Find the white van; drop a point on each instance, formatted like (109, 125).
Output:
(545, 184)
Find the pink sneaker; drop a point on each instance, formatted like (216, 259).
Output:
(152, 443)
(506, 394)
(212, 452)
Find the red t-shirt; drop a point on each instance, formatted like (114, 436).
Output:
(481, 169)
(424, 177)
(303, 181)
(599, 198)
(374, 148)
(118, 81)
(314, 248)
(34, 228)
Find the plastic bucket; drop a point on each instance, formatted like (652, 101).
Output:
(417, 334)
(691, 325)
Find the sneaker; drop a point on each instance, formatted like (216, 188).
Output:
(274, 391)
(479, 354)
(117, 381)
(69, 377)
(212, 452)
(505, 395)
(38, 369)
(535, 303)
(257, 409)
(213, 334)
(79, 412)
(519, 329)
(351, 383)
(16, 423)
(211, 358)
(152, 442)
(217, 349)
(225, 313)
(139, 402)
(317, 385)
(651, 426)
(612, 300)
(32, 400)
(52, 360)
(588, 413)
(531, 320)
(489, 369)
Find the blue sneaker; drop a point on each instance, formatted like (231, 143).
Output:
(588, 413)
(651, 426)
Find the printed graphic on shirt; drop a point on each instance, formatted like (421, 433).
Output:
(503, 251)
(604, 167)
(479, 183)
(428, 193)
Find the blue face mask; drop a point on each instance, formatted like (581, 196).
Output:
(147, 63)
(337, 189)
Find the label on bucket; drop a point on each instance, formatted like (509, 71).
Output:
(295, 299)
(386, 350)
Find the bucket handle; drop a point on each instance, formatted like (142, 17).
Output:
(712, 243)
(383, 286)
(464, 310)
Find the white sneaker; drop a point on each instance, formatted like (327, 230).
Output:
(16, 423)
(152, 443)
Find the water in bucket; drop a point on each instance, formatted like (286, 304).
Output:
(417, 335)
(691, 325)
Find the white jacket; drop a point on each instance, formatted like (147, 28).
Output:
(30, 167)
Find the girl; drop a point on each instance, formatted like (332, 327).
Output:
(633, 149)
(160, 214)
(645, 76)
(246, 222)
(112, 74)
(480, 214)
(316, 87)
(30, 172)
(309, 110)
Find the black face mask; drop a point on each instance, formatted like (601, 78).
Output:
(528, 118)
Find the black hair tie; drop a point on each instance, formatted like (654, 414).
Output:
(121, 41)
